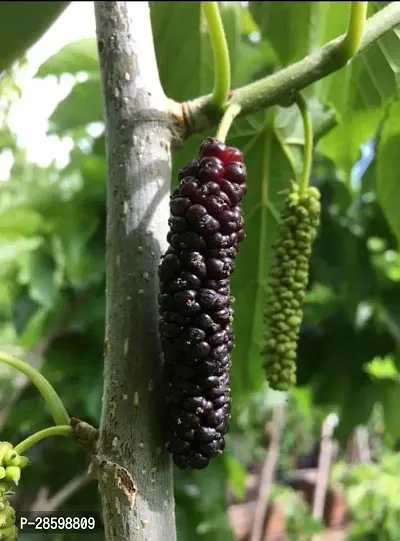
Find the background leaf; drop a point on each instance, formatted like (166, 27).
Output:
(287, 26)
(75, 57)
(82, 106)
(191, 73)
(388, 175)
(22, 24)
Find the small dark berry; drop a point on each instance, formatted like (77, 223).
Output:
(188, 186)
(178, 224)
(191, 169)
(232, 154)
(236, 172)
(231, 190)
(179, 206)
(212, 147)
(207, 323)
(211, 170)
(194, 262)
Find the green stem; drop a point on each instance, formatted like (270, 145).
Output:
(50, 396)
(231, 112)
(282, 85)
(222, 67)
(60, 430)
(355, 31)
(308, 142)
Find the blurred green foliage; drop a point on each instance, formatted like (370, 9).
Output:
(372, 495)
(52, 246)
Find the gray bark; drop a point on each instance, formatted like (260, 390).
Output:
(134, 471)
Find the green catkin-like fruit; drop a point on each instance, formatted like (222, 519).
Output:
(8, 530)
(288, 282)
(13, 473)
(11, 458)
(5, 448)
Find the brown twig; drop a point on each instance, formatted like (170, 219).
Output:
(85, 435)
(324, 466)
(267, 475)
(44, 504)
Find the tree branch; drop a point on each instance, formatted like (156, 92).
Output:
(48, 505)
(267, 475)
(324, 467)
(134, 471)
(279, 88)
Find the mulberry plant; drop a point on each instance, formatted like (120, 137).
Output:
(206, 228)
(289, 272)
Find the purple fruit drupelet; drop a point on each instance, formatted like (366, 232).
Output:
(206, 229)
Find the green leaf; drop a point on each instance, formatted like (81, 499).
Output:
(93, 398)
(39, 275)
(81, 107)
(7, 138)
(94, 174)
(290, 124)
(33, 330)
(73, 58)
(387, 171)
(359, 91)
(390, 311)
(191, 72)
(357, 406)
(83, 252)
(176, 32)
(389, 395)
(342, 144)
(12, 251)
(254, 60)
(21, 222)
(236, 476)
(287, 26)
(22, 24)
(382, 368)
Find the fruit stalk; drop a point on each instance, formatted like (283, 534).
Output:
(48, 393)
(59, 430)
(355, 31)
(222, 66)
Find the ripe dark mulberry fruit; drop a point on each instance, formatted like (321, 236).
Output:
(288, 282)
(206, 229)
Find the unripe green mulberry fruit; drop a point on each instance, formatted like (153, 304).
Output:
(5, 449)
(8, 530)
(8, 534)
(11, 462)
(13, 473)
(288, 281)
